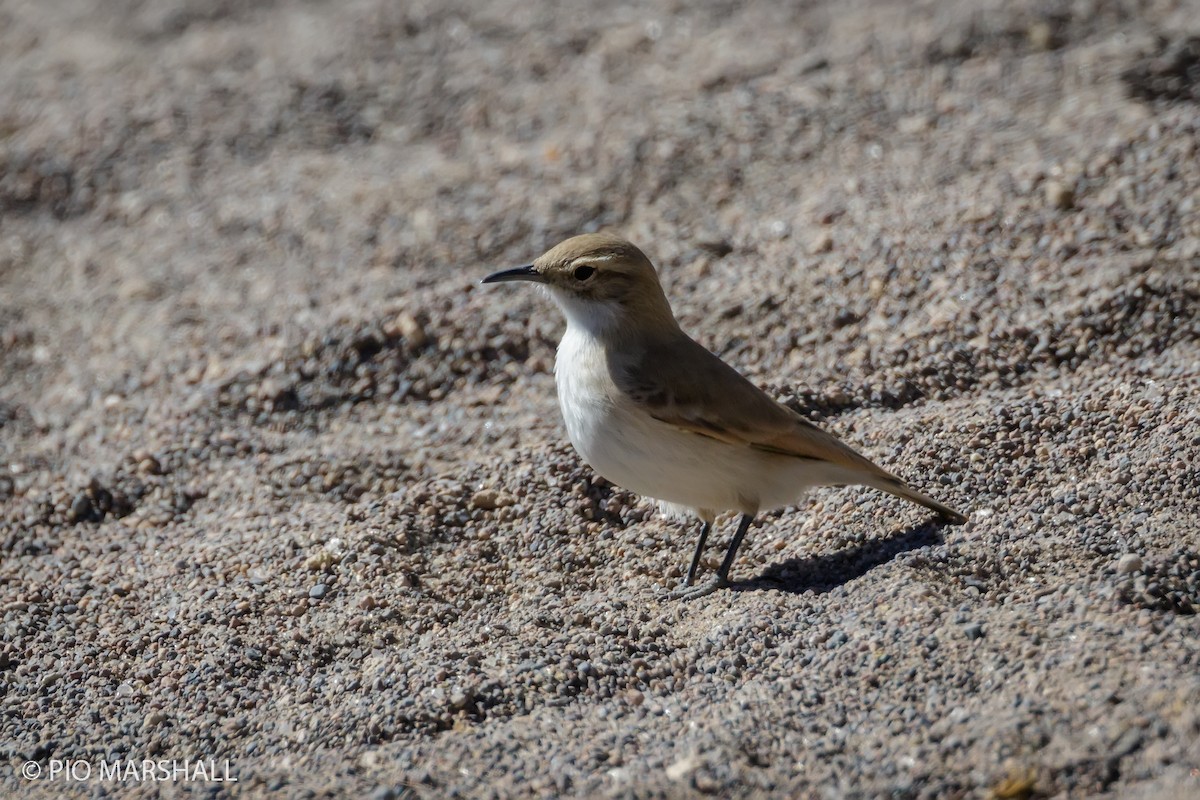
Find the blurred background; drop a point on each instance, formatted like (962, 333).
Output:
(164, 165)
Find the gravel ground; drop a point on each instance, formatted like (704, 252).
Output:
(283, 486)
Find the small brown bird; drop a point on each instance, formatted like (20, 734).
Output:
(656, 413)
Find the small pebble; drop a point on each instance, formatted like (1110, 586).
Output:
(491, 499)
(1129, 563)
(81, 507)
(1059, 195)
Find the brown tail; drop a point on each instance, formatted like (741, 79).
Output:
(900, 489)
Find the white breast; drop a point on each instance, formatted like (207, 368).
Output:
(639, 453)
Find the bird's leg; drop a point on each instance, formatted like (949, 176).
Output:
(722, 578)
(704, 529)
(731, 553)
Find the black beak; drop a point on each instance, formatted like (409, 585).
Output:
(519, 274)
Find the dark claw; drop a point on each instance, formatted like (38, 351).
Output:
(688, 592)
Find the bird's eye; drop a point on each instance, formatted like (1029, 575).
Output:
(583, 273)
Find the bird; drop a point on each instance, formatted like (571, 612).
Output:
(654, 412)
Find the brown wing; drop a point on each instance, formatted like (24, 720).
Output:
(682, 384)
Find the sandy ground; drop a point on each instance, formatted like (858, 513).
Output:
(284, 488)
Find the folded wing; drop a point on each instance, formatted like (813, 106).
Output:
(682, 384)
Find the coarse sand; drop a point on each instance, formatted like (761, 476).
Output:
(284, 491)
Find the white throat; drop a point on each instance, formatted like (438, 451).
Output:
(597, 318)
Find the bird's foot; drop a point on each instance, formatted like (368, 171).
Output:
(688, 592)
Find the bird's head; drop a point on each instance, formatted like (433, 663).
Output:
(602, 282)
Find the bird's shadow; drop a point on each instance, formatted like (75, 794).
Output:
(821, 574)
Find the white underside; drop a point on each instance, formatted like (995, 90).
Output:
(683, 471)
